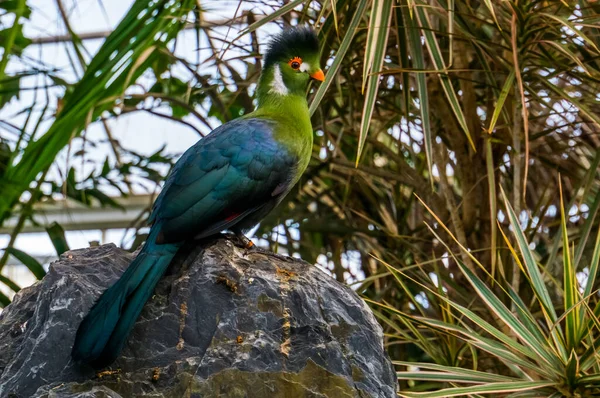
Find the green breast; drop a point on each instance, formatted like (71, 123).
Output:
(293, 128)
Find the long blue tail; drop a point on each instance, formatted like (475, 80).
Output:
(103, 332)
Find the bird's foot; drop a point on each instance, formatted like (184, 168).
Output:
(244, 242)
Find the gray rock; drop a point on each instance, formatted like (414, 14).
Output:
(221, 324)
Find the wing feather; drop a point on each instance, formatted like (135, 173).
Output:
(236, 170)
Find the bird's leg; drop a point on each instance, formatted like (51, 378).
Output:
(250, 247)
(246, 243)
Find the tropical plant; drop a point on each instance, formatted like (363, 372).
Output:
(494, 341)
(29, 155)
(443, 100)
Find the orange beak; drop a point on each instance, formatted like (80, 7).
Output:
(318, 75)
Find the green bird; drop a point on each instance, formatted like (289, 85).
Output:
(229, 180)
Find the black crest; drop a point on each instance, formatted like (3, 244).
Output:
(296, 41)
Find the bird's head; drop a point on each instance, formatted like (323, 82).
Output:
(292, 59)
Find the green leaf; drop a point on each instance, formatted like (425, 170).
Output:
(9, 283)
(583, 107)
(504, 314)
(4, 300)
(472, 375)
(570, 284)
(537, 282)
(501, 99)
(340, 54)
(529, 262)
(9, 89)
(490, 6)
(123, 57)
(444, 377)
(416, 51)
(57, 236)
(489, 163)
(271, 17)
(20, 41)
(31, 263)
(438, 61)
(586, 230)
(588, 180)
(379, 24)
(587, 291)
(13, 6)
(490, 388)
(593, 273)
(568, 24)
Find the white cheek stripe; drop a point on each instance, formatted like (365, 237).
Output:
(305, 67)
(277, 85)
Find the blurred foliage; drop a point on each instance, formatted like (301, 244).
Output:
(449, 102)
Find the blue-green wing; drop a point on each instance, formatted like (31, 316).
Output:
(235, 171)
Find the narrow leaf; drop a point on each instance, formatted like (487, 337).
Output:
(491, 388)
(416, 51)
(501, 99)
(339, 56)
(374, 56)
(9, 283)
(34, 266)
(270, 18)
(57, 236)
(529, 262)
(4, 300)
(438, 61)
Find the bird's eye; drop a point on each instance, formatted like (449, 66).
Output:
(295, 63)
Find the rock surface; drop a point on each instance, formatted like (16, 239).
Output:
(221, 324)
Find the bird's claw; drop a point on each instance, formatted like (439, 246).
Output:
(249, 247)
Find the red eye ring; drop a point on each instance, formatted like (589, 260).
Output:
(295, 63)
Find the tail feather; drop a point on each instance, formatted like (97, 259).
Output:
(131, 311)
(104, 330)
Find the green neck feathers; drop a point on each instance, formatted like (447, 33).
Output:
(291, 60)
(283, 98)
